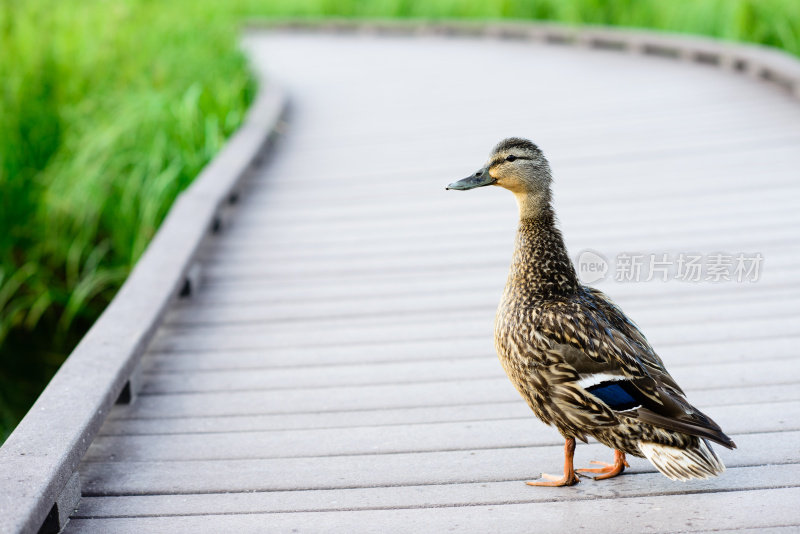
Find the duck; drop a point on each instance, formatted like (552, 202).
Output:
(574, 356)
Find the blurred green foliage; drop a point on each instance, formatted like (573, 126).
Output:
(108, 108)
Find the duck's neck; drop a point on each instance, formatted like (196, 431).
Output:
(541, 267)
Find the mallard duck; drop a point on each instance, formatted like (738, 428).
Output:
(574, 356)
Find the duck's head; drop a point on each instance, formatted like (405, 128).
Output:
(517, 165)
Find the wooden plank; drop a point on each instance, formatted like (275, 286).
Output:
(323, 376)
(366, 267)
(775, 254)
(345, 399)
(378, 186)
(575, 201)
(693, 376)
(384, 469)
(428, 496)
(407, 355)
(485, 434)
(591, 143)
(400, 330)
(575, 149)
(694, 308)
(355, 268)
(759, 417)
(406, 263)
(226, 252)
(434, 210)
(375, 288)
(345, 355)
(689, 101)
(308, 237)
(629, 115)
(613, 124)
(658, 310)
(484, 275)
(499, 246)
(755, 508)
(446, 228)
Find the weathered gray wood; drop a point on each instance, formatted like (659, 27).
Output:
(400, 330)
(407, 355)
(757, 508)
(297, 252)
(439, 266)
(464, 494)
(682, 211)
(692, 376)
(693, 308)
(305, 292)
(64, 506)
(132, 386)
(405, 263)
(339, 355)
(758, 418)
(518, 432)
(392, 229)
(682, 166)
(580, 198)
(384, 469)
(718, 308)
(454, 393)
(682, 220)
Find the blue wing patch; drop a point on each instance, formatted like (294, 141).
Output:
(618, 395)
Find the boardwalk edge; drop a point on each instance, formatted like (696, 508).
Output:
(39, 460)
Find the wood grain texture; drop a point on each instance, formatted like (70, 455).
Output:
(688, 513)
(413, 437)
(760, 417)
(382, 468)
(335, 371)
(468, 493)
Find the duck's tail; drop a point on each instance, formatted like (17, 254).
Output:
(697, 461)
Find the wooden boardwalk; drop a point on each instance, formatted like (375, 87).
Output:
(335, 371)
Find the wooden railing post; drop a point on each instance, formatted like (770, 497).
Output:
(65, 504)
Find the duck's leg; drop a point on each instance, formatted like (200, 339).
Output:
(569, 477)
(610, 470)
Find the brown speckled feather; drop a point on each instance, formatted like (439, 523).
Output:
(551, 332)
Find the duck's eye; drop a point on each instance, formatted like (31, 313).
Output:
(511, 158)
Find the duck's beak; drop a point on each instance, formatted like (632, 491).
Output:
(479, 179)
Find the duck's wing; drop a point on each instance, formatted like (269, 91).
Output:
(615, 363)
(639, 351)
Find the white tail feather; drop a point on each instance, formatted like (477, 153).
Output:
(683, 464)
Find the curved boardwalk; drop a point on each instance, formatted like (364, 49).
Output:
(335, 372)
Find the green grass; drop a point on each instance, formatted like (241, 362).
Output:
(109, 108)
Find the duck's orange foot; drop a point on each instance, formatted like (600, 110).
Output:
(568, 479)
(610, 470)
